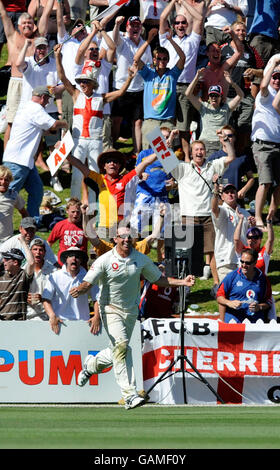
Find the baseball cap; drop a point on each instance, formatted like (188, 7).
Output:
(40, 91)
(215, 89)
(254, 231)
(28, 222)
(133, 19)
(37, 241)
(41, 41)
(229, 185)
(13, 253)
(77, 22)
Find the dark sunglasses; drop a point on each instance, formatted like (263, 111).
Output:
(124, 236)
(94, 49)
(180, 22)
(253, 237)
(163, 59)
(228, 135)
(276, 76)
(248, 263)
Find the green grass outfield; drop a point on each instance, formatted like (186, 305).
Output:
(149, 427)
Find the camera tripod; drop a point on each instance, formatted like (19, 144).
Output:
(182, 358)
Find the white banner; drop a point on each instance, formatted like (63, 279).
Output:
(38, 366)
(164, 154)
(57, 157)
(241, 362)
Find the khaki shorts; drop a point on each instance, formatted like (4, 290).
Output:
(185, 112)
(224, 270)
(150, 124)
(267, 160)
(208, 231)
(13, 97)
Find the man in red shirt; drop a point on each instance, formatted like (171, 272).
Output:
(69, 232)
(110, 184)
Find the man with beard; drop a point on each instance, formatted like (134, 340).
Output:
(57, 299)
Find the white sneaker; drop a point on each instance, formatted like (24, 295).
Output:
(134, 402)
(84, 375)
(55, 183)
(206, 273)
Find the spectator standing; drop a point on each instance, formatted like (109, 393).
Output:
(88, 116)
(15, 282)
(247, 74)
(245, 292)
(22, 147)
(214, 71)
(42, 269)
(241, 171)
(57, 299)
(110, 184)
(15, 41)
(9, 200)
(189, 43)
(159, 86)
(253, 240)
(14, 9)
(195, 191)
(222, 13)
(266, 141)
(264, 33)
(37, 70)
(118, 272)
(225, 219)
(216, 112)
(44, 11)
(69, 232)
(130, 105)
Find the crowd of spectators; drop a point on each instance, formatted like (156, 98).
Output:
(206, 74)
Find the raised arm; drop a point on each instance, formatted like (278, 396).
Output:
(21, 65)
(239, 93)
(195, 100)
(140, 51)
(181, 62)
(7, 22)
(28, 255)
(238, 49)
(163, 22)
(61, 73)
(78, 164)
(43, 22)
(144, 163)
(80, 56)
(238, 245)
(113, 95)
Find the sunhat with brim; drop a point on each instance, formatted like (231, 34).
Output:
(110, 153)
(73, 251)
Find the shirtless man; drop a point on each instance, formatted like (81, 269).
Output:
(214, 72)
(15, 42)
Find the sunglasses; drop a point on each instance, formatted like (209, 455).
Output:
(163, 59)
(253, 237)
(94, 49)
(228, 135)
(85, 81)
(214, 95)
(248, 263)
(180, 22)
(124, 236)
(276, 76)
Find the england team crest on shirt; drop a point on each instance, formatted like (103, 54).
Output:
(250, 294)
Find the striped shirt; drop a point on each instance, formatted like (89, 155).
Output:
(13, 295)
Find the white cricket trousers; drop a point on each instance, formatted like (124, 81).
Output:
(119, 327)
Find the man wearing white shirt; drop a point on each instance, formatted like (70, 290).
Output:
(195, 190)
(266, 140)
(22, 147)
(223, 13)
(185, 112)
(57, 299)
(119, 272)
(130, 105)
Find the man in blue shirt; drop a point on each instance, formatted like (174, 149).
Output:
(245, 293)
(159, 86)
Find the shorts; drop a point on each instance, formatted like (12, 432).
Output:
(150, 124)
(185, 112)
(13, 97)
(265, 46)
(241, 118)
(129, 106)
(267, 160)
(208, 231)
(224, 270)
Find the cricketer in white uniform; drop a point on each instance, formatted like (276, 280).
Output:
(118, 274)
